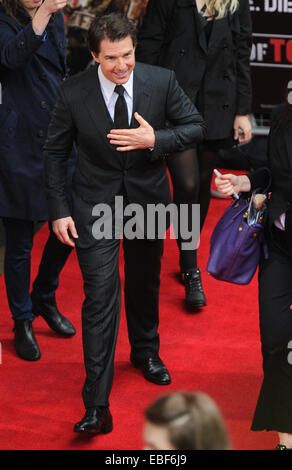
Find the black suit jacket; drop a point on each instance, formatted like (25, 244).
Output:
(214, 74)
(80, 115)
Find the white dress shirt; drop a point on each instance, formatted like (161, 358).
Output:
(110, 96)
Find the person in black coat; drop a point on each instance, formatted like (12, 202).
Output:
(208, 45)
(274, 407)
(116, 111)
(32, 65)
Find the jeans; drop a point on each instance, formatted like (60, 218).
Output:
(17, 265)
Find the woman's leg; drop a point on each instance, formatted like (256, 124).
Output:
(54, 257)
(207, 160)
(19, 242)
(274, 407)
(184, 172)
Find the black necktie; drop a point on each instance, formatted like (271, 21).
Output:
(121, 110)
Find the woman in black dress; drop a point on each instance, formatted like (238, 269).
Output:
(274, 407)
(207, 43)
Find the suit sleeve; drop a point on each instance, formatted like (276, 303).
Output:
(187, 125)
(244, 44)
(57, 150)
(151, 35)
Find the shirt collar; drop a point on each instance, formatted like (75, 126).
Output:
(108, 87)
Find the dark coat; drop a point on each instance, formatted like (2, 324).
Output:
(280, 164)
(102, 172)
(31, 70)
(173, 36)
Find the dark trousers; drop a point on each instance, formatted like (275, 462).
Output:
(17, 265)
(274, 407)
(99, 263)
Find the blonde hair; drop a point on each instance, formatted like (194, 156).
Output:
(219, 8)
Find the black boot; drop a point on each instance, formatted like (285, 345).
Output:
(50, 313)
(97, 420)
(24, 340)
(195, 296)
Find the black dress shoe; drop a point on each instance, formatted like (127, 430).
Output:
(96, 420)
(195, 296)
(50, 313)
(24, 340)
(282, 447)
(153, 369)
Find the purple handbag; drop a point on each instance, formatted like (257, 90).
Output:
(235, 246)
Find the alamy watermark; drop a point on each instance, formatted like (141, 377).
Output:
(290, 92)
(135, 221)
(290, 353)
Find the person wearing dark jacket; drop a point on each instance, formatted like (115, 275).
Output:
(208, 45)
(116, 111)
(32, 65)
(274, 407)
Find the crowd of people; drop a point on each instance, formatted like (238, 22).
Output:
(117, 126)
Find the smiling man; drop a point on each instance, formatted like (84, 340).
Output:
(116, 113)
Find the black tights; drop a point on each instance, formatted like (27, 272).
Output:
(207, 162)
(191, 174)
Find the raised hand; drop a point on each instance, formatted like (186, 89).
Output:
(43, 14)
(51, 6)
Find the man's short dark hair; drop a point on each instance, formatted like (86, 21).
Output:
(113, 27)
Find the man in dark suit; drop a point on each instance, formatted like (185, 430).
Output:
(120, 153)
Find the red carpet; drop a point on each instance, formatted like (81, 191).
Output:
(216, 351)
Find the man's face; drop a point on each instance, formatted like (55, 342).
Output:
(116, 59)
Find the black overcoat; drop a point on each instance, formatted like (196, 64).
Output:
(280, 165)
(172, 35)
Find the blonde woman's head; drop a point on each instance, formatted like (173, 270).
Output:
(220, 8)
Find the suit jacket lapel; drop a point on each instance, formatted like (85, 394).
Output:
(141, 104)
(141, 95)
(200, 30)
(95, 104)
(96, 107)
(218, 30)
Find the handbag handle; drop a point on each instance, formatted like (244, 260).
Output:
(266, 190)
